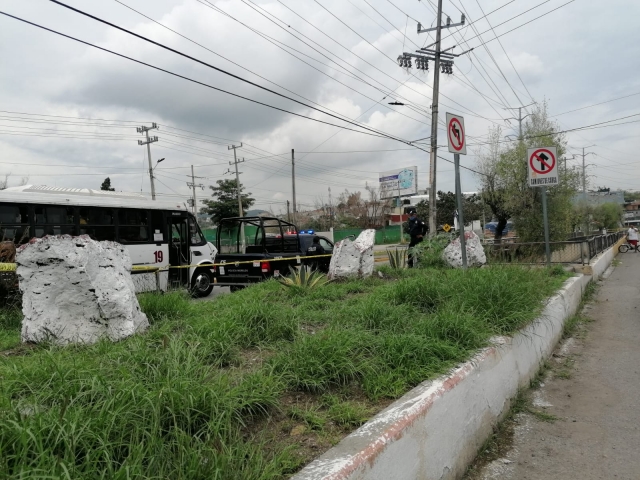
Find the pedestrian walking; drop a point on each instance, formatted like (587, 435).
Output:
(417, 230)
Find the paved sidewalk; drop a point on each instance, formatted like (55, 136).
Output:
(597, 434)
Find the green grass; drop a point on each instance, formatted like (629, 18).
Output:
(207, 392)
(10, 319)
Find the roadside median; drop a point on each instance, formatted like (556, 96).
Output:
(256, 384)
(435, 430)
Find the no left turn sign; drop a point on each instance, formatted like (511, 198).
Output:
(456, 134)
(543, 166)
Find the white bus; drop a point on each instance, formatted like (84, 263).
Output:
(156, 233)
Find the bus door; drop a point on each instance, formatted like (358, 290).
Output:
(179, 250)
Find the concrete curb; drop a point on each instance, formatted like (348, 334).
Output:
(435, 430)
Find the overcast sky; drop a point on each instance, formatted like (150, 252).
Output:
(584, 53)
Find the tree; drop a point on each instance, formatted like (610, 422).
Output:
(494, 190)
(631, 196)
(607, 215)
(225, 200)
(505, 188)
(354, 211)
(106, 185)
(5, 182)
(447, 207)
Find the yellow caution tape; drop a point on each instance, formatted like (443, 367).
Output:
(227, 264)
(11, 267)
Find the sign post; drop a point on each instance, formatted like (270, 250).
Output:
(542, 164)
(458, 146)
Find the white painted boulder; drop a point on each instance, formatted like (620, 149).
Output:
(353, 258)
(77, 290)
(475, 252)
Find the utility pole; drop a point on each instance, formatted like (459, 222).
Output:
(293, 184)
(519, 119)
(443, 60)
(433, 156)
(400, 211)
(565, 162)
(235, 163)
(193, 186)
(330, 210)
(148, 142)
(288, 212)
(584, 171)
(240, 213)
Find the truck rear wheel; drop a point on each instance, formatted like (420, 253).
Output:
(202, 283)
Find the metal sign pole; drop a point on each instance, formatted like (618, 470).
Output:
(463, 242)
(546, 226)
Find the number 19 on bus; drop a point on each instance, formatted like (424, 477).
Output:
(159, 256)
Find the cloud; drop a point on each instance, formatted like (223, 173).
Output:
(50, 75)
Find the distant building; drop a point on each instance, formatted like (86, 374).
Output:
(632, 213)
(600, 198)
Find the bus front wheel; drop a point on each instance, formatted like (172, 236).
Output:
(202, 283)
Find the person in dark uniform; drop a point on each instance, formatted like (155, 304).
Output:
(315, 249)
(417, 229)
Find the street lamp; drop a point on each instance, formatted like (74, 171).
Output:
(151, 177)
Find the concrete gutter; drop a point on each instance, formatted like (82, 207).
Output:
(435, 431)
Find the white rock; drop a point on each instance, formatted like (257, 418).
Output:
(77, 290)
(475, 252)
(353, 258)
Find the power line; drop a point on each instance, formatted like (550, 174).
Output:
(595, 104)
(281, 45)
(528, 22)
(470, 112)
(211, 86)
(503, 102)
(237, 77)
(586, 127)
(212, 51)
(62, 116)
(489, 51)
(503, 49)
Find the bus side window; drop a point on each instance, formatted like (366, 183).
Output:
(14, 223)
(54, 220)
(133, 226)
(97, 223)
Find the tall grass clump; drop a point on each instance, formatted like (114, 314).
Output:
(10, 323)
(429, 251)
(163, 306)
(328, 359)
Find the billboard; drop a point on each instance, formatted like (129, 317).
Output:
(401, 182)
